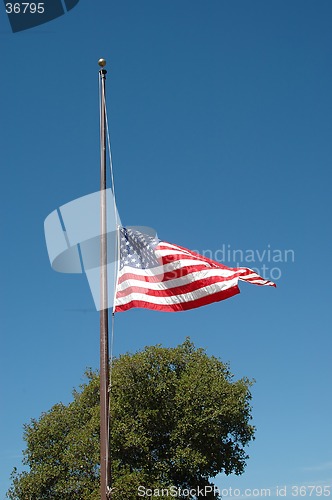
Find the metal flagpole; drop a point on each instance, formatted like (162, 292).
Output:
(104, 350)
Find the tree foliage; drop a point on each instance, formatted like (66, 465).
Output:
(178, 418)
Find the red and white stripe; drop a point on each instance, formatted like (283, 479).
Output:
(183, 280)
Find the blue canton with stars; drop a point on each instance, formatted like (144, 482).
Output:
(137, 249)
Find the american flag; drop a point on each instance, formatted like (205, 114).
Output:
(157, 275)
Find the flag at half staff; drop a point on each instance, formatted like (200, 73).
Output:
(157, 275)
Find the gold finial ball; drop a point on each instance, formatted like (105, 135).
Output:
(102, 63)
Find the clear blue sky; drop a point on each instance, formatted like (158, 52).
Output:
(220, 120)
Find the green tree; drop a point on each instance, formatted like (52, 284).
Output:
(177, 419)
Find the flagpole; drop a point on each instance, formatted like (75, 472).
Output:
(104, 349)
